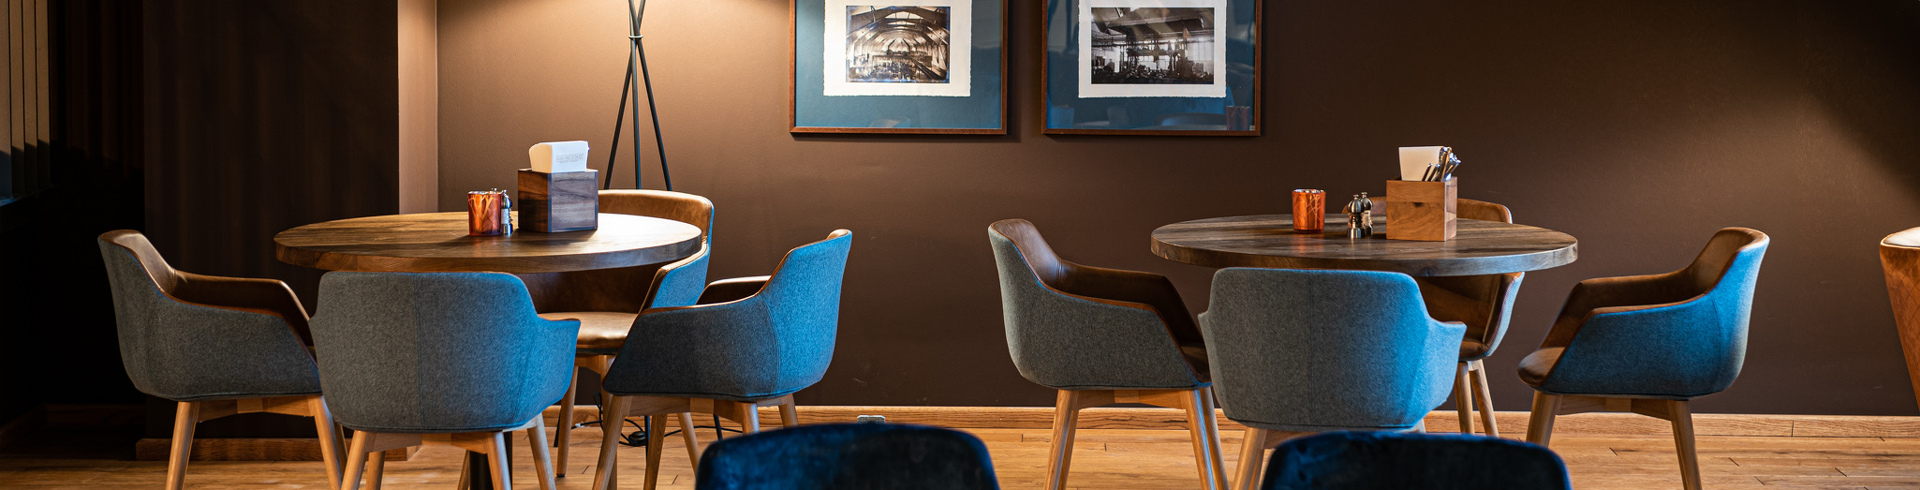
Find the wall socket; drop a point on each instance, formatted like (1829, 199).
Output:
(871, 419)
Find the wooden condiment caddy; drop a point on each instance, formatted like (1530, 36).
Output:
(1422, 211)
(556, 202)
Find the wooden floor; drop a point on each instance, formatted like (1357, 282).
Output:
(1105, 459)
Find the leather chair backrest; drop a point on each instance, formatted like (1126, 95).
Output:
(875, 456)
(1316, 350)
(1488, 299)
(186, 351)
(631, 289)
(437, 352)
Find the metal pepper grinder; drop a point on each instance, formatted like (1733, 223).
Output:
(1360, 217)
(506, 214)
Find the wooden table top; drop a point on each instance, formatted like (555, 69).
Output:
(438, 242)
(1479, 247)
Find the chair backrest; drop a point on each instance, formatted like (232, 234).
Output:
(631, 289)
(777, 341)
(185, 351)
(1484, 303)
(848, 457)
(1063, 340)
(1390, 460)
(1900, 257)
(437, 352)
(1317, 350)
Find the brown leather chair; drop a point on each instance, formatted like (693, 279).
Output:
(1484, 304)
(1900, 255)
(217, 346)
(606, 301)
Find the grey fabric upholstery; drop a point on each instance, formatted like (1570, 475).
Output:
(772, 343)
(1069, 341)
(431, 353)
(1677, 335)
(186, 351)
(1320, 350)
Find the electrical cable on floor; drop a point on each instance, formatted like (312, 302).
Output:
(638, 438)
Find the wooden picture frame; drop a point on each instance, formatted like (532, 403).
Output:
(1071, 108)
(811, 108)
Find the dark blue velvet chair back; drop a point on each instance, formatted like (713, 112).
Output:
(1404, 461)
(848, 457)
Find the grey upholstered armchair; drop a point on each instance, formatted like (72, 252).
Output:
(750, 342)
(1648, 344)
(446, 358)
(1100, 337)
(606, 300)
(1304, 351)
(216, 345)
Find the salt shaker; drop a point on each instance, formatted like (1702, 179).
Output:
(1360, 217)
(506, 213)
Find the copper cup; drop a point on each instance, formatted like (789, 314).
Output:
(483, 213)
(1309, 210)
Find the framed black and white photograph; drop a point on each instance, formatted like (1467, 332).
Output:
(926, 67)
(1169, 67)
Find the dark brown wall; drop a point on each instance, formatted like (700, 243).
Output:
(1638, 126)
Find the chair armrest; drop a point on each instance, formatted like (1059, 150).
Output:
(268, 296)
(1614, 292)
(735, 289)
(1681, 348)
(1134, 289)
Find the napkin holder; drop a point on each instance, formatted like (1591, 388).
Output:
(561, 201)
(1422, 211)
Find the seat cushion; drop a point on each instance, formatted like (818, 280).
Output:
(601, 332)
(1474, 351)
(1535, 367)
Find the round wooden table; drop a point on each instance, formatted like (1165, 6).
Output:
(438, 242)
(1479, 247)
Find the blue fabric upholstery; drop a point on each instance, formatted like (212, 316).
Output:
(1069, 341)
(773, 343)
(430, 353)
(186, 351)
(1401, 461)
(848, 457)
(1321, 350)
(1669, 336)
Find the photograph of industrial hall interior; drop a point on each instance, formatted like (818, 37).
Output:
(959, 244)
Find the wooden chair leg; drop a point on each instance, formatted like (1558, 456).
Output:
(563, 427)
(751, 414)
(1206, 444)
(1540, 422)
(655, 425)
(789, 416)
(186, 416)
(465, 471)
(690, 437)
(537, 445)
(329, 436)
(1682, 416)
(1463, 397)
(376, 470)
(357, 462)
(497, 461)
(1484, 397)
(1252, 457)
(1213, 428)
(611, 413)
(1066, 413)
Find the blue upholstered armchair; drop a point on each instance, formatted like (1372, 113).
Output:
(1101, 336)
(208, 342)
(1648, 344)
(1397, 461)
(447, 358)
(1301, 351)
(849, 457)
(751, 342)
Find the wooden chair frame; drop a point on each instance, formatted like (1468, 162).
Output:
(363, 457)
(1201, 423)
(1679, 412)
(189, 415)
(1470, 391)
(618, 408)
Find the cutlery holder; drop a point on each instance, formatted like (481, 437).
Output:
(565, 201)
(1422, 211)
